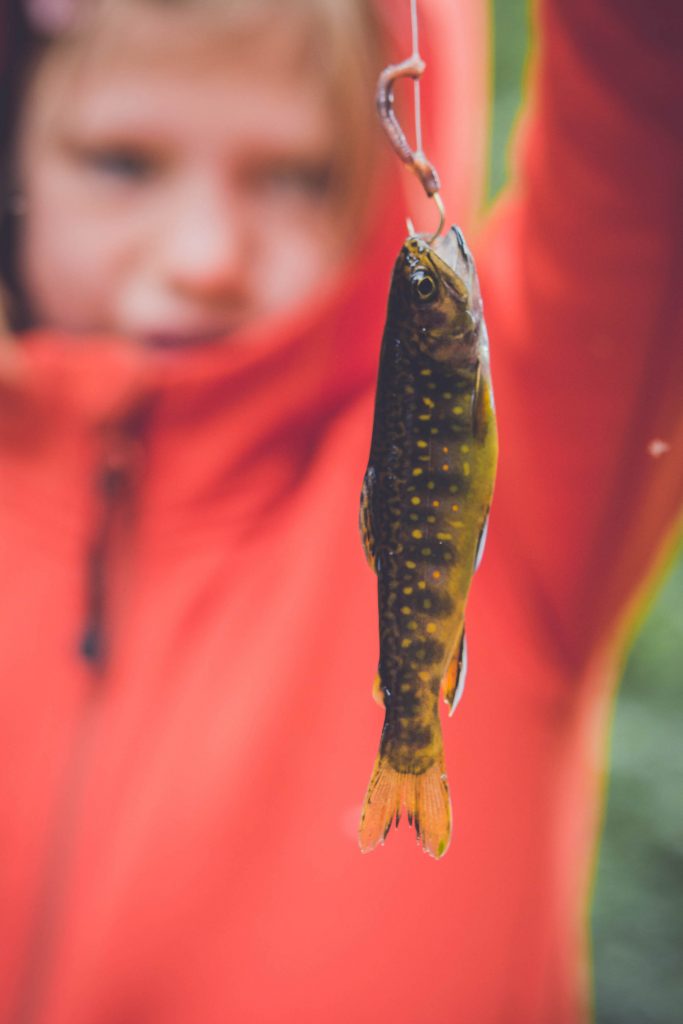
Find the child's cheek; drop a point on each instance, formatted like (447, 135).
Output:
(68, 255)
(296, 263)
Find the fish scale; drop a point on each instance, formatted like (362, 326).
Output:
(424, 507)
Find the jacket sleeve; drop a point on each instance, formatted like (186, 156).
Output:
(582, 273)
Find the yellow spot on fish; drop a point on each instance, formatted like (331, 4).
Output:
(433, 431)
(417, 534)
(453, 489)
(426, 552)
(445, 450)
(405, 687)
(425, 373)
(417, 472)
(457, 523)
(421, 585)
(465, 469)
(429, 402)
(407, 590)
(425, 419)
(426, 604)
(411, 565)
(405, 610)
(431, 519)
(454, 508)
(436, 503)
(444, 536)
(415, 501)
(431, 485)
(424, 676)
(436, 575)
(412, 624)
(421, 444)
(447, 395)
(445, 467)
(406, 642)
(464, 447)
(409, 390)
(457, 409)
(431, 627)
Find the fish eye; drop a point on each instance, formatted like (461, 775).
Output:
(424, 286)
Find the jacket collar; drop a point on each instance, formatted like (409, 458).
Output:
(236, 419)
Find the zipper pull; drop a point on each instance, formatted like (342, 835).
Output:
(112, 485)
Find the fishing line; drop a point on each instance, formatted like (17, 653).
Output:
(416, 81)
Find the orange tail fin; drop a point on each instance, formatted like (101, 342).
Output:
(425, 798)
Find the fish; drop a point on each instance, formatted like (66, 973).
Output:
(424, 514)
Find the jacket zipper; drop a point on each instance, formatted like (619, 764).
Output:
(112, 487)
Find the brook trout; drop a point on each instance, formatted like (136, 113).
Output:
(424, 512)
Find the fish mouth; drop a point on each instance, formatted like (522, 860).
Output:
(454, 251)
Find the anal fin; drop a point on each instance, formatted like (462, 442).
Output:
(454, 681)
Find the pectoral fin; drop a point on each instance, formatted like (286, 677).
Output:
(365, 519)
(454, 681)
(377, 691)
(481, 406)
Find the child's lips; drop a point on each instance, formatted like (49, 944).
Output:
(174, 338)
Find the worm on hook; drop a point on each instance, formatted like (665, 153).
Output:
(413, 67)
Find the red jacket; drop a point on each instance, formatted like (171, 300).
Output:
(178, 828)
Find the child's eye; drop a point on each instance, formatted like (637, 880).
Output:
(298, 180)
(119, 163)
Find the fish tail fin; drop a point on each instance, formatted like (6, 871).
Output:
(426, 800)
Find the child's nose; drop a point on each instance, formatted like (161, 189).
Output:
(203, 244)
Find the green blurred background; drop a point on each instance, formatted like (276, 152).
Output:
(637, 922)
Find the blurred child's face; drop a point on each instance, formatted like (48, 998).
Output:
(177, 185)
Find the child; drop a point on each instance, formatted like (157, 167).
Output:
(188, 220)
(200, 233)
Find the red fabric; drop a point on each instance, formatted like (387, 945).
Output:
(178, 833)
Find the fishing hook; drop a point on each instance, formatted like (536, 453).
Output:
(442, 220)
